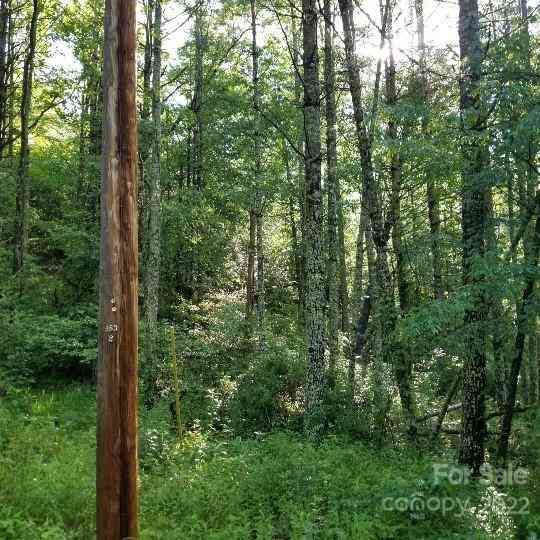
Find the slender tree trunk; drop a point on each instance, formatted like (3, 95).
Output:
(80, 189)
(4, 73)
(301, 187)
(449, 397)
(147, 65)
(497, 320)
(401, 358)
(296, 255)
(331, 187)
(358, 283)
(359, 302)
(145, 135)
(384, 316)
(10, 98)
(257, 209)
(117, 471)
(250, 278)
(522, 317)
(533, 365)
(153, 232)
(432, 192)
(23, 173)
(343, 280)
(197, 103)
(314, 263)
(259, 287)
(474, 216)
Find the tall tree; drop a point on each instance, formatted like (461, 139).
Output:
(198, 92)
(153, 231)
(5, 45)
(475, 189)
(23, 172)
(529, 198)
(432, 192)
(315, 320)
(147, 61)
(402, 361)
(255, 275)
(333, 246)
(386, 316)
(522, 323)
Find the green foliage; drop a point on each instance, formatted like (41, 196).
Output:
(39, 345)
(266, 396)
(207, 489)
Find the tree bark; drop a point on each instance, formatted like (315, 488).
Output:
(23, 172)
(300, 188)
(250, 278)
(343, 280)
(432, 192)
(333, 246)
(522, 317)
(474, 215)
(5, 11)
(11, 100)
(401, 358)
(314, 263)
(257, 209)
(197, 102)
(147, 65)
(153, 223)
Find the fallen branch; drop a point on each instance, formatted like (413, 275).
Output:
(450, 408)
(444, 410)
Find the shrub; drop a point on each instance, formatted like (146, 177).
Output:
(37, 344)
(268, 394)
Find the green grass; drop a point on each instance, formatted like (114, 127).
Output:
(274, 487)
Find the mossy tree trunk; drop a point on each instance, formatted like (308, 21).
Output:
(332, 239)
(474, 217)
(153, 230)
(315, 320)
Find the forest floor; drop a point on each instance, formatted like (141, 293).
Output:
(274, 486)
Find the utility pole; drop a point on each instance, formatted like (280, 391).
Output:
(116, 472)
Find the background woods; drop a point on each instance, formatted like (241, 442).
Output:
(339, 239)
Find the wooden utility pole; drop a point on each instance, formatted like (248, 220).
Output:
(116, 474)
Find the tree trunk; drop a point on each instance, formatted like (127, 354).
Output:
(257, 209)
(300, 188)
(343, 281)
(23, 172)
(359, 301)
(11, 100)
(522, 317)
(250, 278)
(147, 65)
(197, 102)
(145, 135)
(442, 414)
(401, 359)
(432, 192)
(314, 262)
(474, 215)
(358, 283)
(331, 187)
(259, 286)
(153, 222)
(4, 72)
(385, 316)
